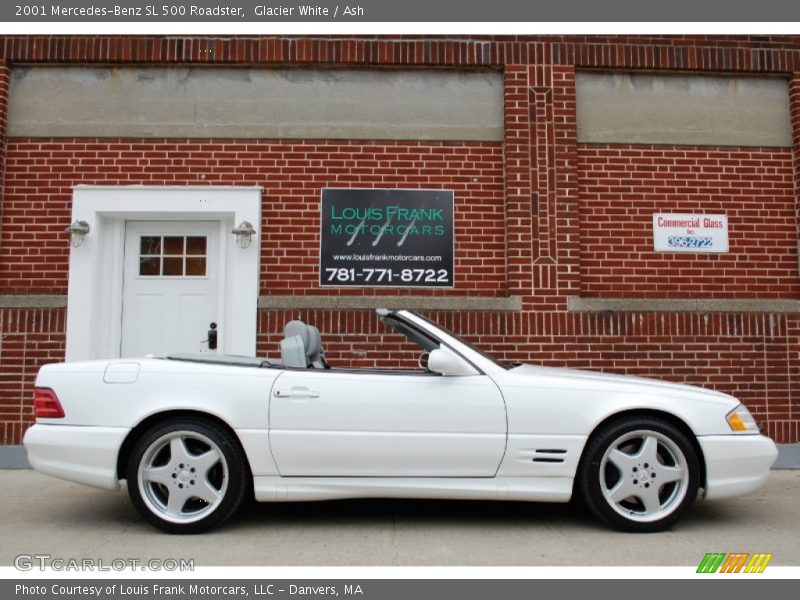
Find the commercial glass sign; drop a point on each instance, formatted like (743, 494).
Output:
(386, 238)
(690, 233)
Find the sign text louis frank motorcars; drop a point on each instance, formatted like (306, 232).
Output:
(690, 233)
(386, 238)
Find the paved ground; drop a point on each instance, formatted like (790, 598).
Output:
(45, 515)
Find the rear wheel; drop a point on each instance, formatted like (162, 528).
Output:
(639, 474)
(186, 475)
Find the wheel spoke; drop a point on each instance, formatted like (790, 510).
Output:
(158, 474)
(622, 461)
(667, 474)
(622, 490)
(649, 497)
(204, 462)
(176, 501)
(649, 450)
(205, 491)
(177, 450)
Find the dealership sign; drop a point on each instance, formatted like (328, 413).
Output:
(392, 238)
(690, 233)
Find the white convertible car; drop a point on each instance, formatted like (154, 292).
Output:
(193, 434)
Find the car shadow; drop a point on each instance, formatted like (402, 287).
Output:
(409, 511)
(115, 509)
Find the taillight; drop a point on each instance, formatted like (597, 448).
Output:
(46, 404)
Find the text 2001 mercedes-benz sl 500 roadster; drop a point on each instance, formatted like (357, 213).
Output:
(193, 434)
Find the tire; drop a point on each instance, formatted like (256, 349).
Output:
(639, 474)
(186, 475)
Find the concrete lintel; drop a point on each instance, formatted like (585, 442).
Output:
(33, 301)
(649, 108)
(256, 103)
(697, 305)
(504, 304)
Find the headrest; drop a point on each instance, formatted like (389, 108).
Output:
(311, 340)
(299, 328)
(314, 344)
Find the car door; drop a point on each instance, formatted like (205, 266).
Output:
(393, 424)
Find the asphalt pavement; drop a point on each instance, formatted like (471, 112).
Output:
(43, 515)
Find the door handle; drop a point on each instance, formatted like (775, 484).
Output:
(296, 392)
(211, 340)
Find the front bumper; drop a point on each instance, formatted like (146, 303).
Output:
(736, 464)
(85, 455)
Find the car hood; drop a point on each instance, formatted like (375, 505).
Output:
(567, 378)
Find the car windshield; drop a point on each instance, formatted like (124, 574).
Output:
(460, 339)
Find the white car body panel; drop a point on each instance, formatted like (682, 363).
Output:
(85, 455)
(299, 489)
(358, 424)
(736, 465)
(505, 434)
(545, 400)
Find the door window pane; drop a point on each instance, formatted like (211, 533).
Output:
(150, 265)
(172, 266)
(173, 256)
(173, 245)
(196, 266)
(196, 245)
(150, 244)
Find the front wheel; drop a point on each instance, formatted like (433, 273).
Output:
(186, 475)
(639, 474)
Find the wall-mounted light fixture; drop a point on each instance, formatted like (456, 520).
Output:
(244, 234)
(77, 231)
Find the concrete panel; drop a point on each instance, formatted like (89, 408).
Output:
(683, 109)
(255, 103)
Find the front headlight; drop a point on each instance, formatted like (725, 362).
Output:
(740, 420)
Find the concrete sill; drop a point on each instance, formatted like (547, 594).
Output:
(692, 305)
(504, 304)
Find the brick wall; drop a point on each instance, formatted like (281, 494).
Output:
(620, 187)
(534, 224)
(41, 173)
(29, 338)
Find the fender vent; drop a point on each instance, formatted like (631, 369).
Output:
(549, 455)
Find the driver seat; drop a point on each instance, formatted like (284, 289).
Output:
(310, 344)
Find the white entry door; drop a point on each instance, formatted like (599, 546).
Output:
(170, 291)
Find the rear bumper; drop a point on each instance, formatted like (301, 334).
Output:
(85, 455)
(736, 464)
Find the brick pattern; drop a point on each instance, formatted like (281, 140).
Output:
(621, 186)
(714, 53)
(532, 211)
(41, 174)
(29, 338)
(5, 79)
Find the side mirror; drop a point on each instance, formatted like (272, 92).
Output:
(444, 361)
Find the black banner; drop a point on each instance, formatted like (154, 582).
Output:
(386, 238)
(390, 589)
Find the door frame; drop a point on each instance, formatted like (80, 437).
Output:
(94, 299)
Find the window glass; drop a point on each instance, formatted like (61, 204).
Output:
(173, 256)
